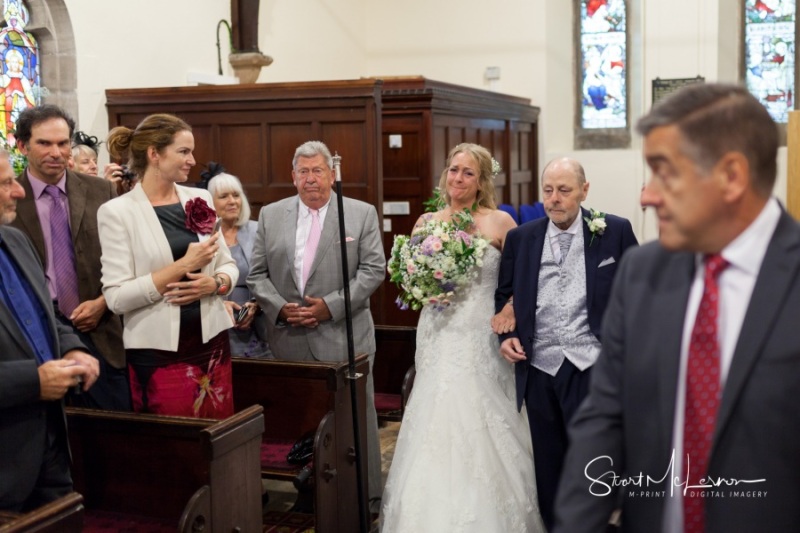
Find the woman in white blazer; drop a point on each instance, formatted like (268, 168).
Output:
(165, 270)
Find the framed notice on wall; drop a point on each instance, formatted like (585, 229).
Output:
(664, 87)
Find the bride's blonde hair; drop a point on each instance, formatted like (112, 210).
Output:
(481, 155)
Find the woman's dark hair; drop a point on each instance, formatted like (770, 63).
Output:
(156, 130)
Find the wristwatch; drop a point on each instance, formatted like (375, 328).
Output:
(222, 288)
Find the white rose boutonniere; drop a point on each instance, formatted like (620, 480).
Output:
(597, 224)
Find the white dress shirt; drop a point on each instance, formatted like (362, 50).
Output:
(554, 231)
(744, 255)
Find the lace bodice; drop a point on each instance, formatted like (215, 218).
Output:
(462, 332)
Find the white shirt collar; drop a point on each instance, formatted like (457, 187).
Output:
(553, 230)
(305, 211)
(747, 250)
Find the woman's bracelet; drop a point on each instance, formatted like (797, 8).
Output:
(222, 286)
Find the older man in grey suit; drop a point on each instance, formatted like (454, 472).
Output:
(296, 277)
(40, 359)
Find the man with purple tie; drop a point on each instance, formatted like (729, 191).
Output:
(59, 215)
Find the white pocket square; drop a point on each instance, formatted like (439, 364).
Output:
(606, 262)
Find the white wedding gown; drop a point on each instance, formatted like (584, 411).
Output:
(463, 459)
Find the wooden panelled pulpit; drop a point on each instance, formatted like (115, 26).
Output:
(793, 164)
(430, 118)
(253, 130)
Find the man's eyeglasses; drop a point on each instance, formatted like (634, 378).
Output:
(318, 172)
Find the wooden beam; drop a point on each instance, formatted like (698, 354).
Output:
(793, 164)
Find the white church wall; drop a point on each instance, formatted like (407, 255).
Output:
(148, 43)
(151, 43)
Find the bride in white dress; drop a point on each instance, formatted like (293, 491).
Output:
(463, 460)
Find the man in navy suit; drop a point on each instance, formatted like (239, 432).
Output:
(704, 319)
(40, 359)
(557, 273)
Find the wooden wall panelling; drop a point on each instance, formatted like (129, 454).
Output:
(253, 131)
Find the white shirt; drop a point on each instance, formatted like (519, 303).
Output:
(554, 231)
(745, 255)
(303, 229)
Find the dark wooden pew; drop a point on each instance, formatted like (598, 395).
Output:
(173, 473)
(65, 515)
(301, 398)
(393, 370)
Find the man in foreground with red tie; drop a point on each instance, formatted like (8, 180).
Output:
(692, 418)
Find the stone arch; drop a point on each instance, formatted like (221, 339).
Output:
(52, 27)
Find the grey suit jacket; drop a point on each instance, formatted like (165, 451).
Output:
(23, 416)
(627, 419)
(246, 235)
(86, 194)
(273, 282)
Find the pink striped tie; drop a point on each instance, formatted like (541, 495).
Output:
(63, 259)
(311, 245)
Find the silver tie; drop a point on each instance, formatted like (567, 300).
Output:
(564, 240)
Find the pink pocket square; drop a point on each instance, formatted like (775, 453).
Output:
(348, 239)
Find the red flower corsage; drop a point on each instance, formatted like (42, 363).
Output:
(200, 217)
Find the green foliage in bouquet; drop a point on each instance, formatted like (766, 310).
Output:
(430, 265)
(18, 160)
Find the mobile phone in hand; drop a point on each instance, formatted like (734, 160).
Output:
(217, 226)
(242, 314)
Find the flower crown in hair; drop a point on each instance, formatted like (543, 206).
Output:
(80, 138)
(212, 169)
(496, 168)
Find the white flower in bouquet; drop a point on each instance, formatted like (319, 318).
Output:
(432, 264)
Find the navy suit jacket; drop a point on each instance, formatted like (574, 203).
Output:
(519, 276)
(23, 416)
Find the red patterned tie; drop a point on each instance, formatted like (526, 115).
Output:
(702, 392)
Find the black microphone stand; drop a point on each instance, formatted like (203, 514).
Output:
(363, 510)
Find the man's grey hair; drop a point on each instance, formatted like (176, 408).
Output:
(311, 149)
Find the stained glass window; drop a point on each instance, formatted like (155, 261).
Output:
(769, 44)
(20, 68)
(603, 59)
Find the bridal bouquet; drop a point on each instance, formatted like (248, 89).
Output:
(430, 265)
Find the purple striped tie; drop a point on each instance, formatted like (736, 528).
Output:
(63, 259)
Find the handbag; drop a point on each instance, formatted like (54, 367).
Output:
(301, 451)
